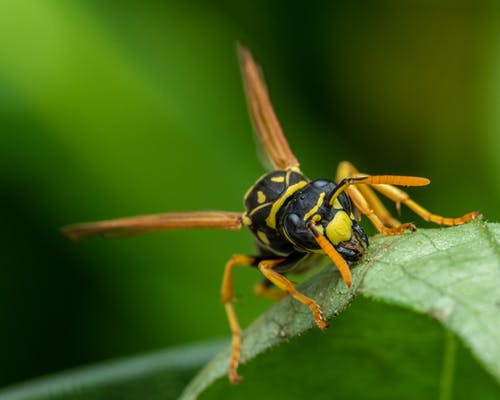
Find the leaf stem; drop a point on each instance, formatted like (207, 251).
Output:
(448, 371)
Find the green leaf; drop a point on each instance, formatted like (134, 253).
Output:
(451, 274)
(373, 351)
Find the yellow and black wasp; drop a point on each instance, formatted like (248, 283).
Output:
(290, 216)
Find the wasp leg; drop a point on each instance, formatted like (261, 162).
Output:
(227, 295)
(399, 196)
(266, 267)
(347, 170)
(363, 206)
(266, 289)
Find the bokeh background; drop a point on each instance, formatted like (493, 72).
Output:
(118, 108)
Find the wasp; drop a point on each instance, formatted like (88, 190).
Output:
(291, 217)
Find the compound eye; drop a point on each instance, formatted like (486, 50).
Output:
(297, 232)
(292, 222)
(345, 202)
(294, 225)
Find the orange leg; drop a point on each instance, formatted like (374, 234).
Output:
(362, 205)
(378, 208)
(227, 295)
(266, 267)
(399, 196)
(262, 290)
(369, 204)
(374, 209)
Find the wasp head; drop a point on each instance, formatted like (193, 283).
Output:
(318, 209)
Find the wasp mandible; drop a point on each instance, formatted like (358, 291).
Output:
(290, 216)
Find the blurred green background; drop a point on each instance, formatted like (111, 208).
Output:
(110, 109)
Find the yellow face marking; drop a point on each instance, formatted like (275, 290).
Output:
(313, 210)
(339, 229)
(337, 205)
(271, 218)
(278, 179)
(263, 237)
(261, 197)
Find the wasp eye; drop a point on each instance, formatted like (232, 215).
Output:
(292, 221)
(345, 202)
(297, 233)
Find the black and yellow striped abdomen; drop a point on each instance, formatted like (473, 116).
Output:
(263, 202)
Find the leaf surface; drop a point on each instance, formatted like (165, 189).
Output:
(374, 351)
(452, 274)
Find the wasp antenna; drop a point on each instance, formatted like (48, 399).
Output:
(398, 180)
(333, 254)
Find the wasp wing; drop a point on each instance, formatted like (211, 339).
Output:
(154, 223)
(264, 119)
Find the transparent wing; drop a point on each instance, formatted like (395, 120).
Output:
(154, 223)
(264, 119)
